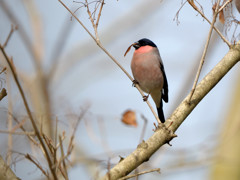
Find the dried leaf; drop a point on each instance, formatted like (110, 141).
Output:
(221, 17)
(128, 49)
(3, 93)
(237, 3)
(129, 118)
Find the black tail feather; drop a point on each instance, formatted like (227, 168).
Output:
(160, 112)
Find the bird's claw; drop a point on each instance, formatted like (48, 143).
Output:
(145, 98)
(134, 83)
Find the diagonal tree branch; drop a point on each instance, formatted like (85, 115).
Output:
(163, 135)
(205, 50)
(96, 39)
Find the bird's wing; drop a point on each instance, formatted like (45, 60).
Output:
(165, 85)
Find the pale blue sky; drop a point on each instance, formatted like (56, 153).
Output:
(86, 75)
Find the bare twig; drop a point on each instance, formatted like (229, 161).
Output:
(23, 34)
(23, 129)
(91, 18)
(49, 143)
(19, 124)
(99, 14)
(113, 59)
(177, 14)
(3, 70)
(9, 35)
(219, 33)
(80, 22)
(205, 48)
(55, 145)
(83, 4)
(80, 117)
(63, 137)
(29, 112)
(140, 173)
(63, 159)
(224, 5)
(27, 156)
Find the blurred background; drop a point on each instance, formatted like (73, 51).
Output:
(65, 75)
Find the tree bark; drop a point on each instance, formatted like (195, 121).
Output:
(163, 135)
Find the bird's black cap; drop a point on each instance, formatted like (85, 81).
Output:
(143, 42)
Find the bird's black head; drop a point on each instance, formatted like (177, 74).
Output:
(143, 42)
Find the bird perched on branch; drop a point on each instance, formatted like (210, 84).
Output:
(148, 71)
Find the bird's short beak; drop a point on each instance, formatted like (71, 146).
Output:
(136, 45)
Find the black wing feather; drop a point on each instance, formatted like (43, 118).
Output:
(165, 85)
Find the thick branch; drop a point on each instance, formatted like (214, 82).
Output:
(146, 149)
(204, 87)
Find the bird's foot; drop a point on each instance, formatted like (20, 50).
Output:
(145, 98)
(134, 82)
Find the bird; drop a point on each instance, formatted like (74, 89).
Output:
(148, 72)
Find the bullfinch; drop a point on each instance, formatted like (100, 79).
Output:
(148, 71)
